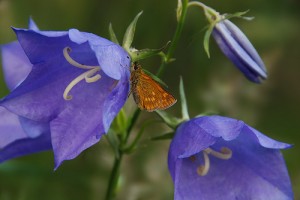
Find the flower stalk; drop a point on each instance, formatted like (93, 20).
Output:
(176, 37)
(114, 178)
(168, 58)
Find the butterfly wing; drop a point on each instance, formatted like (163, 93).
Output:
(150, 96)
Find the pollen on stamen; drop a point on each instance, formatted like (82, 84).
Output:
(89, 76)
(227, 152)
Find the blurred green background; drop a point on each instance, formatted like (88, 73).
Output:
(211, 84)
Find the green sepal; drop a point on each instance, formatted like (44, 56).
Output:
(129, 34)
(238, 15)
(114, 142)
(207, 38)
(170, 120)
(145, 53)
(120, 123)
(166, 136)
(112, 34)
(184, 107)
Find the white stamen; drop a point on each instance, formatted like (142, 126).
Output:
(202, 170)
(224, 154)
(70, 60)
(89, 76)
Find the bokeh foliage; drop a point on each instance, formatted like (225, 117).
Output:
(211, 85)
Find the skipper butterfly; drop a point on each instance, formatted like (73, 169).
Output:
(147, 93)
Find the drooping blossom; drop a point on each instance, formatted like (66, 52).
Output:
(214, 157)
(237, 47)
(65, 91)
(233, 43)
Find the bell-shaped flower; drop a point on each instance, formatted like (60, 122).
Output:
(236, 46)
(233, 43)
(214, 157)
(77, 84)
(18, 135)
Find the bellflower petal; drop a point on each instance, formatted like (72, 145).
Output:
(99, 89)
(32, 128)
(25, 146)
(255, 168)
(104, 52)
(16, 65)
(110, 108)
(9, 124)
(20, 136)
(236, 46)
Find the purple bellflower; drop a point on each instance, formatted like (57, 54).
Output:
(236, 46)
(66, 88)
(18, 135)
(233, 43)
(214, 157)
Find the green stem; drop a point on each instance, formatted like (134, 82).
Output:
(113, 181)
(175, 39)
(115, 173)
(133, 120)
(114, 177)
(129, 148)
(211, 14)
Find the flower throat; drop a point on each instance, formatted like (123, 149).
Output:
(224, 154)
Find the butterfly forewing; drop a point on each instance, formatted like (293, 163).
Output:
(148, 94)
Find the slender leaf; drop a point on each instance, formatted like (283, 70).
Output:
(130, 148)
(166, 136)
(129, 34)
(239, 15)
(170, 120)
(207, 38)
(114, 142)
(112, 34)
(184, 108)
